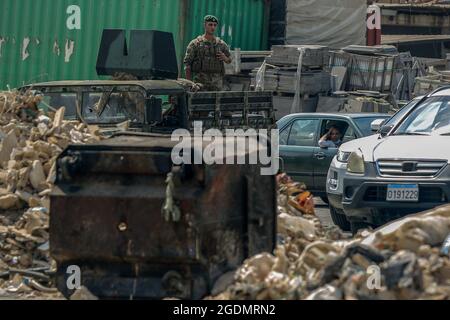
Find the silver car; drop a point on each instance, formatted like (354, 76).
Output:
(338, 168)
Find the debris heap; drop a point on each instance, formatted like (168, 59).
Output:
(402, 260)
(30, 142)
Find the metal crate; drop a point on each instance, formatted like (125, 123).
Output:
(232, 110)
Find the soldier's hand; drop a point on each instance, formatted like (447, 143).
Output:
(196, 87)
(222, 57)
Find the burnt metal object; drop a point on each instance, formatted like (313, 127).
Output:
(107, 219)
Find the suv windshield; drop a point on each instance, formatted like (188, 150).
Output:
(432, 117)
(401, 113)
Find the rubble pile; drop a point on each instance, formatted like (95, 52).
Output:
(30, 142)
(399, 261)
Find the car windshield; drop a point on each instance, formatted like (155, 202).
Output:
(113, 107)
(364, 124)
(57, 100)
(109, 106)
(432, 117)
(396, 118)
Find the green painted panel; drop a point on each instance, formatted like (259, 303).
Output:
(243, 23)
(37, 35)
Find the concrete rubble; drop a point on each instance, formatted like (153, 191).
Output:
(30, 142)
(401, 260)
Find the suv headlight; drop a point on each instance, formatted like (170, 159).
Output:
(356, 162)
(342, 156)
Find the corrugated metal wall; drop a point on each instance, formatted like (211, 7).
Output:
(45, 40)
(244, 23)
(45, 24)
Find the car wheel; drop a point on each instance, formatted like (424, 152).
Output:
(339, 219)
(324, 199)
(358, 225)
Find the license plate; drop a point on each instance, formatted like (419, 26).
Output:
(403, 192)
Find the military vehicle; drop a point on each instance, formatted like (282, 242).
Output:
(136, 224)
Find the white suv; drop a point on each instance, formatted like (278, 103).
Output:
(343, 183)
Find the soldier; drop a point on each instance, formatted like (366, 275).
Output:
(205, 58)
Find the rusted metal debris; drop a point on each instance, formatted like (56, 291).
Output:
(133, 217)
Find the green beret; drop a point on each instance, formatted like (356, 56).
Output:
(211, 18)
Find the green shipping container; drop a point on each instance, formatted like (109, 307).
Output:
(46, 40)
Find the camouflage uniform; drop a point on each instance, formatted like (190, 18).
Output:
(201, 56)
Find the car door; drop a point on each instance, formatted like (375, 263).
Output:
(297, 143)
(322, 157)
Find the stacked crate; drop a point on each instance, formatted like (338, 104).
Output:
(380, 69)
(280, 76)
(244, 62)
(365, 72)
(238, 72)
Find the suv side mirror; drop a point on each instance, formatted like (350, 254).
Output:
(384, 130)
(376, 124)
(153, 110)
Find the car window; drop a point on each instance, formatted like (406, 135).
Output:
(113, 107)
(341, 125)
(424, 120)
(284, 135)
(401, 113)
(58, 100)
(431, 117)
(350, 135)
(303, 132)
